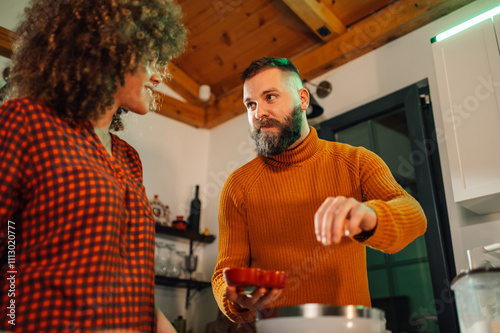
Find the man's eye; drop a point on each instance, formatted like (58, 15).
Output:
(270, 97)
(251, 105)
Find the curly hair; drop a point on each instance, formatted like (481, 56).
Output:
(72, 54)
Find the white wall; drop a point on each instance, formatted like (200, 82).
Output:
(174, 158)
(230, 147)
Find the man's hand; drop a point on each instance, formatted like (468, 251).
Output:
(341, 216)
(257, 300)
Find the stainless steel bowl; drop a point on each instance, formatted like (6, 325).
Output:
(321, 318)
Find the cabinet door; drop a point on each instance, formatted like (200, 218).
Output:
(468, 76)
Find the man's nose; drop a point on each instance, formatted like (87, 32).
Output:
(261, 112)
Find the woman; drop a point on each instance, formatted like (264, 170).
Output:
(76, 228)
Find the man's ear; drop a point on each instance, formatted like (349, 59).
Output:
(304, 98)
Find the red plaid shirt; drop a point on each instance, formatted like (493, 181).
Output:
(81, 228)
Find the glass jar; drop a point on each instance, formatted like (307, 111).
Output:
(172, 268)
(161, 259)
(179, 259)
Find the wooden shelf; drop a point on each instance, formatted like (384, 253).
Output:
(194, 236)
(192, 286)
(188, 284)
(181, 283)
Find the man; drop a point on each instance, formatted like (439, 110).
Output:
(304, 205)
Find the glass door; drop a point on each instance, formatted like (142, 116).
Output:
(411, 286)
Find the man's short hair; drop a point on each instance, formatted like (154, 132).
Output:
(264, 63)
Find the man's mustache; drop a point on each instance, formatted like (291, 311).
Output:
(267, 122)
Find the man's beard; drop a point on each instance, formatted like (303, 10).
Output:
(269, 144)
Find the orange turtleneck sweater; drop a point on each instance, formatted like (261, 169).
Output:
(266, 220)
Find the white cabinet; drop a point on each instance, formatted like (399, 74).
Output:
(468, 76)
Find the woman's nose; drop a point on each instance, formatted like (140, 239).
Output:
(155, 78)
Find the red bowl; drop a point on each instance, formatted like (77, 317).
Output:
(242, 277)
(246, 277)
(273, 279)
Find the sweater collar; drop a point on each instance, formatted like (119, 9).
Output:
(299, 154)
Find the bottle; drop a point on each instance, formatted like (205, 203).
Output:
(180, 324)
(194, 213)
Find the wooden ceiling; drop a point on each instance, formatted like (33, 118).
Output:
(317, 35)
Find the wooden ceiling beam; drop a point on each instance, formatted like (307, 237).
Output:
(7, 38)
(377, 29)
(391, 22)
(183, 84)
(183, 112)
(226, 108)
(318, 17)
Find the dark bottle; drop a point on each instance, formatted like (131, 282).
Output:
(194, 213)
(180, 324)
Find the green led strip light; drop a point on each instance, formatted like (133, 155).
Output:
(461, 27)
